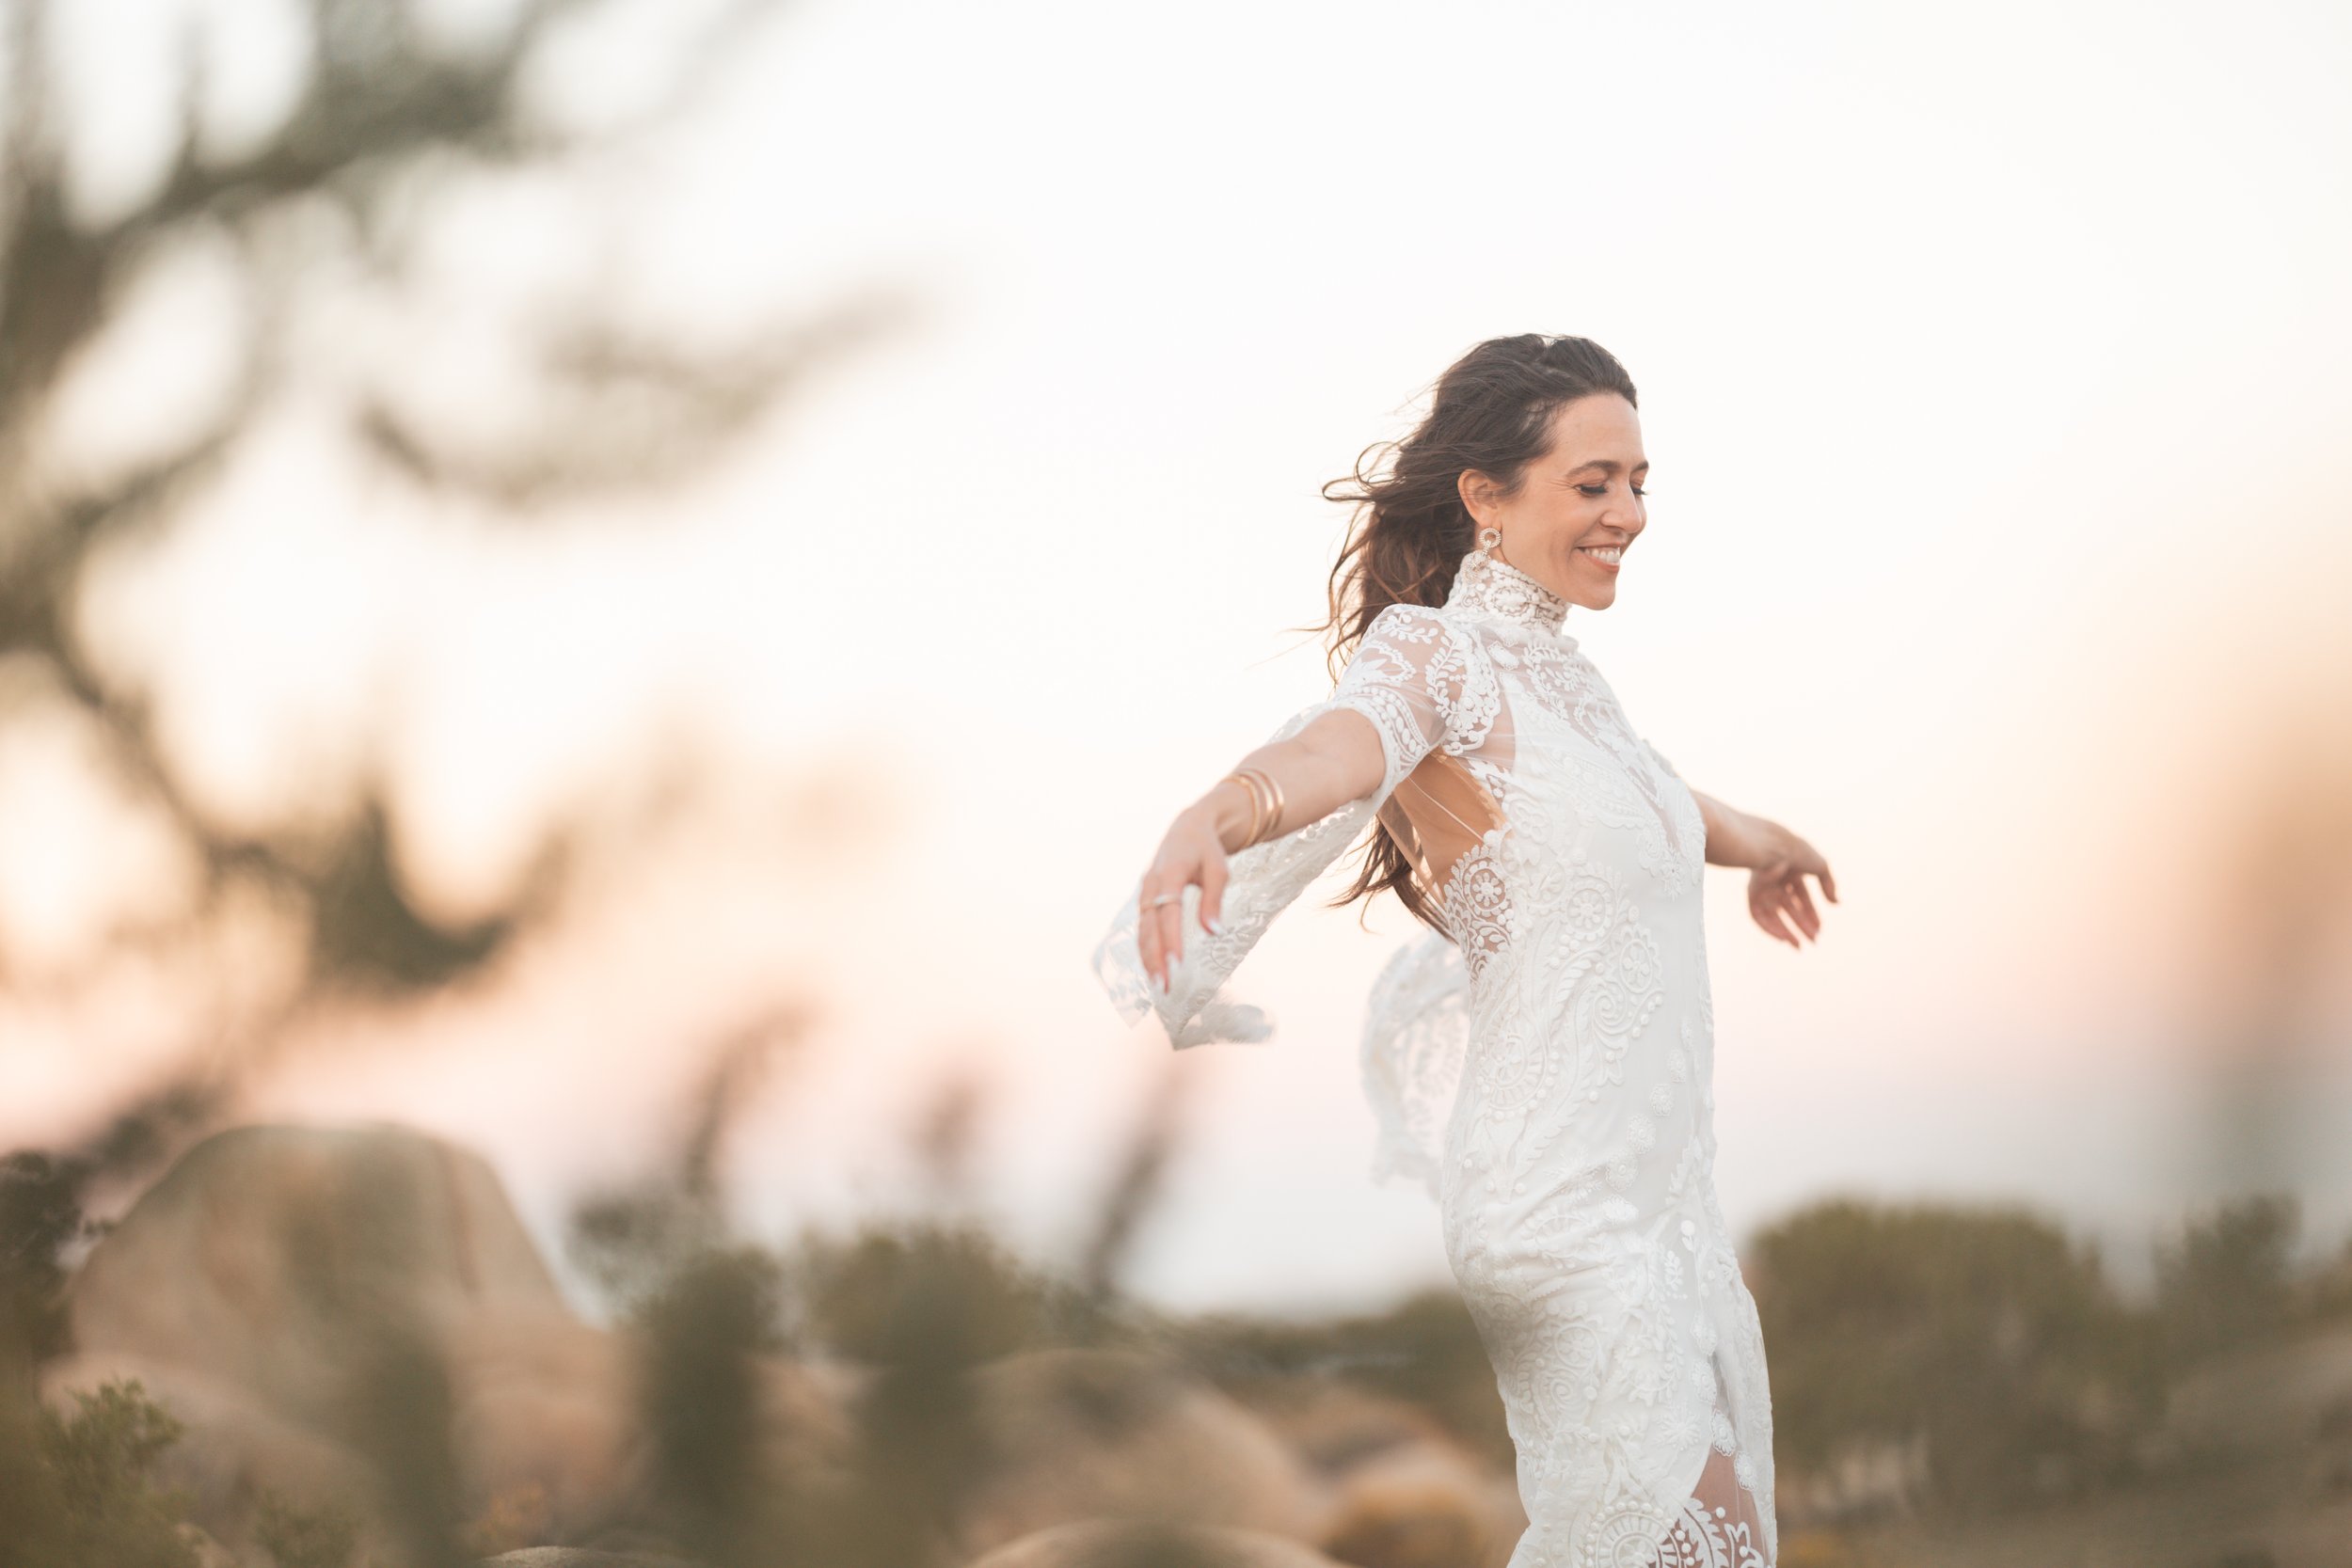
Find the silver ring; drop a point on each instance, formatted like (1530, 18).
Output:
(1163, 898)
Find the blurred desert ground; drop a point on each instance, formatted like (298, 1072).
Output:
(687, 567)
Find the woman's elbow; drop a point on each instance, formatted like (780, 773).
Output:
(1348, 747)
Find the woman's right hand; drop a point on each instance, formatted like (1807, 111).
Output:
(1338, 758)
(1192, 854)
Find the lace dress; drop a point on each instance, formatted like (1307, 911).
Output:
(1544, 1067)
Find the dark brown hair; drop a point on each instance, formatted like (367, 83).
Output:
(1492, 412)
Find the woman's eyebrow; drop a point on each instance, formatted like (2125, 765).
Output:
(1607, 465)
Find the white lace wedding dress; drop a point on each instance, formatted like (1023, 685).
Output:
(1544, 1067)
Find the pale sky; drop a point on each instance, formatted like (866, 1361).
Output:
(1991, 372)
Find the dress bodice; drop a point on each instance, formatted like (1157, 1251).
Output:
(1534, 729)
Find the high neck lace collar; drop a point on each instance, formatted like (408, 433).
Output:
(1499, 591)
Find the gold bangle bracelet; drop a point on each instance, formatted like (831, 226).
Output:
(1274, 803)
(1274, 818)
(1257, 807)
(1260, 806)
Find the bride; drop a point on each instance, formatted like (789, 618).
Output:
(1542, 1057)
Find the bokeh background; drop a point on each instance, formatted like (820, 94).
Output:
(570, 564)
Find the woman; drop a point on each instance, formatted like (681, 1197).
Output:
(1543, 1058)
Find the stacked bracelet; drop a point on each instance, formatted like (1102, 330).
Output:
(1274, 806)
(1257, 806)
(1265, 801)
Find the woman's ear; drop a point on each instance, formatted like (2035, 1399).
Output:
(1477, 493)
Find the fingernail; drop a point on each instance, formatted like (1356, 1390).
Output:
(1216, 923)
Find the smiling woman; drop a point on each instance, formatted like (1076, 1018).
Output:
(1542, 1059)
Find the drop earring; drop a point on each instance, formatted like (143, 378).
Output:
(1488, 538)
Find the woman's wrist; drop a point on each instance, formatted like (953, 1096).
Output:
(1735, 839)
(1227, 808)
(1760, 840)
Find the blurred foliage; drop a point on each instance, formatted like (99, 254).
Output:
(1985, 1331)
(80, 1489)
(300, 1536)
(2328, 1291)
(915, 1304)
(350, 1249)
(43, 1200)
(398, 1418)
(632, 1241)
(397, 118)
(2226, 1279)
(951, 1290)
(703, 1331)
(629, 1244)
(916, 1309)
(41, 1215)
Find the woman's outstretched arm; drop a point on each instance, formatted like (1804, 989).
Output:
(1335, 758)
(1779, 860)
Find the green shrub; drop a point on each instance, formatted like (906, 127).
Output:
(296, 1536)
(1985, 1331)
(80, 1488)
(2226, 1279)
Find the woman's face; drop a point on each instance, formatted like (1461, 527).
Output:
(1578, 506)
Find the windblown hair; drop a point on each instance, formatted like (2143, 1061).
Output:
(1492, 413)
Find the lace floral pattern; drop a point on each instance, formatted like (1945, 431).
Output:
(1477, 907)
(1417, 1025)
(1543, 1065)
(1629, 784)
(1415, 667)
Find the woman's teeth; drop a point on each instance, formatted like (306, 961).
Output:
(1610, 553)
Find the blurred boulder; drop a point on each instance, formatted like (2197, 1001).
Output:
(580, 1556)
(208, 1553)
(1146, 1544)
(543, 1407)
(1403, 1491)
(269, 1263)
(1424, 1503)
(255, 1253)
(1078, 1433)
(1334, 1424)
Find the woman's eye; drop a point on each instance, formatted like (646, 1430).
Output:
(1639, 491)
(1596, 491)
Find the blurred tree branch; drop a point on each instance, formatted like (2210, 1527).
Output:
(386, 118)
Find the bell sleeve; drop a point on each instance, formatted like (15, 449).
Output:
(1418, 678)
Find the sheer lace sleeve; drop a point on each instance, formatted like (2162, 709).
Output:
(1416, 675)
(1420, 680)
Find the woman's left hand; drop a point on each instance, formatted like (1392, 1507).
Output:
(1777, 895)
